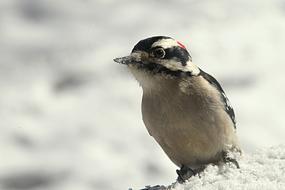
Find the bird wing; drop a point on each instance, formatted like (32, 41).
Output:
(228, 108)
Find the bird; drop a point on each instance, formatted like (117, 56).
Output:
(183, 108)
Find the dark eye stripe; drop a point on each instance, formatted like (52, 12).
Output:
(179, 53)
(156, 68)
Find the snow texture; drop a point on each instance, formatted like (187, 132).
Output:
(264, 170)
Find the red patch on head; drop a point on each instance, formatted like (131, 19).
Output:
(181, 45)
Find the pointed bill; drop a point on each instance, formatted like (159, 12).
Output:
(124, 60)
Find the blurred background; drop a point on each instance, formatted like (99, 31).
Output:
(70, 116)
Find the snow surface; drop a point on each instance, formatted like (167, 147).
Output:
(70, 116)
(264, 169)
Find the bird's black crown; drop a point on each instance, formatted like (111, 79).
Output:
(178, 52)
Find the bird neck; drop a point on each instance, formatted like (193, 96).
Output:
(156, 84)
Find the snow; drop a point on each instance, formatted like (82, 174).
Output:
(70, 116)
(264, 169)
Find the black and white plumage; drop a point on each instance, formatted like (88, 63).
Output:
(228, 107)
(184, 108)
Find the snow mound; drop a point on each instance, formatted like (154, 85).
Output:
(264, 169)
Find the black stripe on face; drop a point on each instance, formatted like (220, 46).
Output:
(178, 53)
(156, 68)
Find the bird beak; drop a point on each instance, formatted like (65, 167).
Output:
(125, 60)
(134, 58)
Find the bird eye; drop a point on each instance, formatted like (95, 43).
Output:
(159, 53)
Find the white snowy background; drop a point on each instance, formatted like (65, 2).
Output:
(70, 117)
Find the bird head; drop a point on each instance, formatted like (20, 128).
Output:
(159, 56)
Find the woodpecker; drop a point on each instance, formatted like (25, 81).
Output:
(184, 108)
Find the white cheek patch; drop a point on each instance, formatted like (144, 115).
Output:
(165, 43)
(173, 65)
